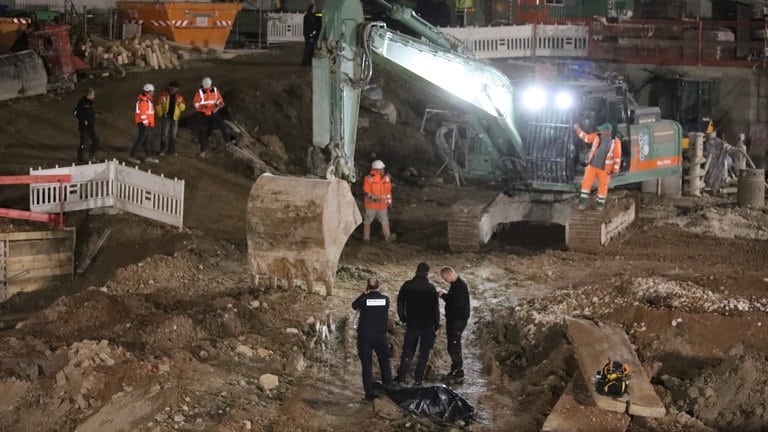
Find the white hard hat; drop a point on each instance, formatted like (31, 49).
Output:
(148, 87)
(377, 164)
(207, 82)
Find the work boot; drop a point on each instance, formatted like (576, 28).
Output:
(151, 160)
(390, 238)
(583, 203)
(458, 373)
(133, 160)
(600, 206)
(162, 153)
(202, 154)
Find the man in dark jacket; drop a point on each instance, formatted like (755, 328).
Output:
(456, 317)
(418, 308)
(311, 31)
(372, 335)
(86, 124)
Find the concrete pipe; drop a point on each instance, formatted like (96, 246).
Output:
(751, 188)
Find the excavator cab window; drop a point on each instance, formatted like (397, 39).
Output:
(617, 114)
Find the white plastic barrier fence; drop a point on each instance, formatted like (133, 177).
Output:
(518, 41)
(111, 184)
(285, 27)
(487, 42)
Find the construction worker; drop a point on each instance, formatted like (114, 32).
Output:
(208, 102)
(170, 105)
(311, 29)
(86, 124)
(378, 198)
(456, 317)
(145, 121)
(372, 335)
(604, 160)
(418, 308)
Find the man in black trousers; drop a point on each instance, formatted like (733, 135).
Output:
(456, 317)
(86, 124)
(372, 335)
(418, 308)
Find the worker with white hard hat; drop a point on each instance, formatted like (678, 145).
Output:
(378, 198)
(144, 118)
(208, 101)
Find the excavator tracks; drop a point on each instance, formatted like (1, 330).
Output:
(463, 235)
(589, 230)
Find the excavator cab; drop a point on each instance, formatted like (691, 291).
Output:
(688, 101)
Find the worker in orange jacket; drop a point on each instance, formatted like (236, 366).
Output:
(170, 105)
(604, 160)
(208, 101)
(144, 118)
(378, 198)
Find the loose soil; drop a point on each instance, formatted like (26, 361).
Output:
(164, 330)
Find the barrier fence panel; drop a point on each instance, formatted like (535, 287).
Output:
(285, 27)
(562, 40)
(495, 42)
(154, 197)
(92, 186)
(111, 184)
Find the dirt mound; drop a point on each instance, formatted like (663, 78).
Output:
(723, 222)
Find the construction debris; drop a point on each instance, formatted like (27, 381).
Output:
(141, 52)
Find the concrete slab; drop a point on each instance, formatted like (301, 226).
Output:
(593, 344)
(576, 411)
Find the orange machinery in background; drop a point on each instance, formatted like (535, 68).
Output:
(190, 23)
(10, 30)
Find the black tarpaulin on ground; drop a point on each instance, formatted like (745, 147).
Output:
(439, 403)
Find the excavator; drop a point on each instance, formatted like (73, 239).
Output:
(522, 140)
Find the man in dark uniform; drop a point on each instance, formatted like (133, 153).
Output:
(311, 31)
(372, 335)
(456, 317)
(86, 124)
(418, 308)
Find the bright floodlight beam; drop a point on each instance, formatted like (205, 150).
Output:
(564, 100)
(534, 98)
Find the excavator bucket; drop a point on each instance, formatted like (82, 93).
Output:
(297, 228)
(22, 74)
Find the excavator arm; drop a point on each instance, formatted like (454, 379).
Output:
(343, 66)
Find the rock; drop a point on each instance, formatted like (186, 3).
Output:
(244, 350)
(268, 382)
(106, 359)
(202, 354)
(61, 378)
(178, 418)
(385, 408)
(292, 330)
(310, 321)
(295, 363)
(247, 424)
(254, 304)
(263, 353)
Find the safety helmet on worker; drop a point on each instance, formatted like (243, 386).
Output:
(148, 88)
(605, 127)
(207, 82)
(377, 164)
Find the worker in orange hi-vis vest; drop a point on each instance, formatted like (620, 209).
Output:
(378, 199)
(144, 118)
(604, 160)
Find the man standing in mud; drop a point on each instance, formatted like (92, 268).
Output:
(419, 309)
(456, 317)
(372, 335)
